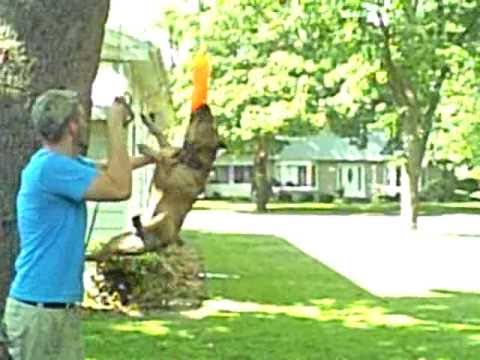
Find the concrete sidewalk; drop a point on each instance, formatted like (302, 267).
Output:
(372, 251)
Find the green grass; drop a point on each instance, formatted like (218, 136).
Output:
(287, 306)
(388, 208)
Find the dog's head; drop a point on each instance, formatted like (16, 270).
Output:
(202, 134)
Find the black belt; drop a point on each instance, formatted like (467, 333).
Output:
(48, 305)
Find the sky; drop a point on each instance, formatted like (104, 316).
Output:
(144, 21)
(139, 19)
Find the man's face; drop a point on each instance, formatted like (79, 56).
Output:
(79, 130)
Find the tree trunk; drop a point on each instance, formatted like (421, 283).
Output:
(50, 43)
(409, 197)
(262, 183)
(414, 151)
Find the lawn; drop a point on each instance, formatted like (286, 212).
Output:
(282, 304)
(388, 208)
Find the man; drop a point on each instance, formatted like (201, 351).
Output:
(41, 320)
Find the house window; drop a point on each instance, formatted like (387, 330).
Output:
(242, 174)
(302, 176)
(340, 178)
(220, 175)
(314, 175)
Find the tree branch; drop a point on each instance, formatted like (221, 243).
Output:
(402, 90)
(391, 68)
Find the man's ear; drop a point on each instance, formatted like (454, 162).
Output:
(72, 127)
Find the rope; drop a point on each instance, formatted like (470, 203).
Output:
(92, 224)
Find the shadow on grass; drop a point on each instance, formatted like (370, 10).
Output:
(285, 305)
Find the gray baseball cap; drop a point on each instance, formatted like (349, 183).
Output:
(51, 112)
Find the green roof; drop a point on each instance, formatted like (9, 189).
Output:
(330, 147)
(322, 147)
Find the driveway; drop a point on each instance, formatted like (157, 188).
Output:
(371, 251)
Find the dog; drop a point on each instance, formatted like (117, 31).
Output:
(180, 175)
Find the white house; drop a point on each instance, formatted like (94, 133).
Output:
(324, 164)
(231, 176)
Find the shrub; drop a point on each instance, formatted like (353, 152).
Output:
(284, 196)
(441, 190)
(469, 185)
(326, 198)
(304, 197)
(215, 196)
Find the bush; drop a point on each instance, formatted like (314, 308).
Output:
(215, 196)
(284, 196)
(326, 198)
(439, 190)
(304, 197)
(469, 185)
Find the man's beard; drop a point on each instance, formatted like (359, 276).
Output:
(80, 142)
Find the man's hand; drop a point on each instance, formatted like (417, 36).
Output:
(115, 182)
(119, 112)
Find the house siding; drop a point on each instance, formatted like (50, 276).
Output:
(380, 173)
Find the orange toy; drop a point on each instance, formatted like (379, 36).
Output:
(201, 73)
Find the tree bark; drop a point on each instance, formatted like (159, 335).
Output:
(51, 43)
(262, 183)
(414, 148)
(409, 195)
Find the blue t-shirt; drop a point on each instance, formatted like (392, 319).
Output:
(52, 219)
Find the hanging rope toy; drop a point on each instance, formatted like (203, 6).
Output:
(201, 74)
